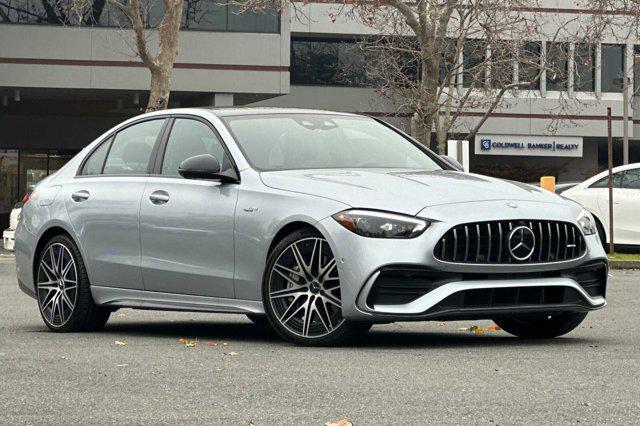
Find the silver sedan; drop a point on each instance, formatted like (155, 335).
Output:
(318, 223)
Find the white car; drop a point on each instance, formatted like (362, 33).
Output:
(7, 235)
(593, 194)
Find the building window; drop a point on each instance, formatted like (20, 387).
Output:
(327, 63)
(556, 67)
(612, 64)
(209, 15)
(502, 63)
(529, 65)
(9, 188)
(584, 76)
(474, 54)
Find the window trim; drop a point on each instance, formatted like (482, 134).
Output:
(112, 136)
(156, 170)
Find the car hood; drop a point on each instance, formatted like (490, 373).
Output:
(403, 191)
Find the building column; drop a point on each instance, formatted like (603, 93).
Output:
(222, 99)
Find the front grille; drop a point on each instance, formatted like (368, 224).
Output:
(487, 242)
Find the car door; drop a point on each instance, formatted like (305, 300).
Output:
(626, 207)
(187, 225)
(103, 203)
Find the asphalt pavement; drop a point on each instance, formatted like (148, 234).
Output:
(143, 369)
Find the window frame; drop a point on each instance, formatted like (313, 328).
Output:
(112, 136)
(155, 170)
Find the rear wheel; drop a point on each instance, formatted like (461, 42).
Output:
(63, 292)
(302, 294)
(542, 327)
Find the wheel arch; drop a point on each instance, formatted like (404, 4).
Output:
(45, 237)
(288, 229)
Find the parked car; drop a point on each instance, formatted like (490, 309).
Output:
(593, 194)
(8, 234)
(320, 223)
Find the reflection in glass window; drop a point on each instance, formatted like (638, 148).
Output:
(9, 194)
(529, 65)
(557, 66)
(631, 179)
(211, 15)
(612, 64)
(474, 53)
(265, 21)
(93, 165)
(189, 138)
(501, 64)
(327, 62)
(584, 57)
(131, 149)
(604, 182)
(204, 15)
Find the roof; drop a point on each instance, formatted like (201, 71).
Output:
(229, 111)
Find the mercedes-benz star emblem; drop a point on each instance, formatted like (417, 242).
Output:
(521, 243)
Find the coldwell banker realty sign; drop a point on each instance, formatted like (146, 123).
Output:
(542, 146)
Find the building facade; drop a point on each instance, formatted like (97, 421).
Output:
(66, 77)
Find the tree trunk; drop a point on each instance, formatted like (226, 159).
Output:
(442, 143)
(420, 129)
(167, 51)
(160, 90)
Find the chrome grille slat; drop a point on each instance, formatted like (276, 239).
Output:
(554, 242)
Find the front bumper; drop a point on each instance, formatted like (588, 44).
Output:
(463, 291)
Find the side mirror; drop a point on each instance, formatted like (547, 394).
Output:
(453, 162)
(205, 166)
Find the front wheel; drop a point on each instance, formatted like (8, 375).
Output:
(63, 291)
(302, 295)
(543, 327)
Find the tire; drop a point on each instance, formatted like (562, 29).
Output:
(301, 292)
(258, 319)
(545, 327)
(63, 290)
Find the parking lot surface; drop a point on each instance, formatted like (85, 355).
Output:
(143, 369)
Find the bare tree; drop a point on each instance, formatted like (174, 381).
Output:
(146, 19)
(161, 64)
(452, 63)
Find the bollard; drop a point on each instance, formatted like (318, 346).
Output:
(548, 183)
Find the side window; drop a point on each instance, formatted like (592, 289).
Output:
(604, 182)
(93, 165)
(631, 179)
(187, 139)
(131, 149)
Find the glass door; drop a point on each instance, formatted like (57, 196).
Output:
(9, 194)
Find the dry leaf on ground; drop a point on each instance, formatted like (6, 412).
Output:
(342, 422)
(121, 343)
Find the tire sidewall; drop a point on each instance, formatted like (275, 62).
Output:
(83, 293)
(338, 336)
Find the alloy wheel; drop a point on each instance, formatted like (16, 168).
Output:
(304, 289)
(57, 285)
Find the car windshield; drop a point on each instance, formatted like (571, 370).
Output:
(323, 141)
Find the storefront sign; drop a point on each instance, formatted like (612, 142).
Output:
(542, 146)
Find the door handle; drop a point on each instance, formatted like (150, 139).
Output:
(159, 197)
(80, 196)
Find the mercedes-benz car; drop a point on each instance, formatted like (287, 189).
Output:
(318, 223)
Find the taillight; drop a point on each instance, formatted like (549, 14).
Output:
(26, 198)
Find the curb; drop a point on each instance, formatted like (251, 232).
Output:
(624, 264)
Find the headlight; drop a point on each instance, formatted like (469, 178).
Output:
(587, 223)
(374, 224)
